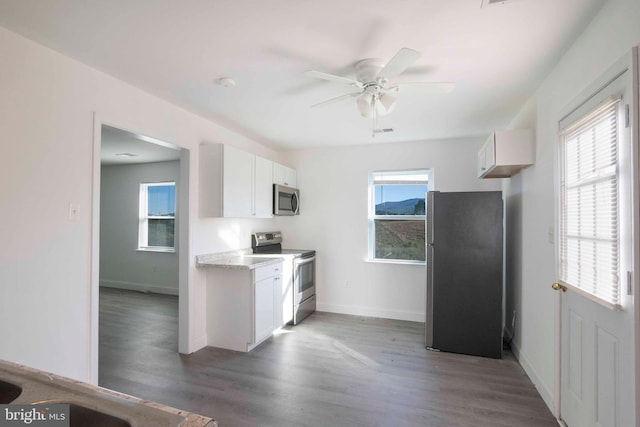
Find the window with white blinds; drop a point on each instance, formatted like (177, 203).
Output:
(589, 220)
(397, 215)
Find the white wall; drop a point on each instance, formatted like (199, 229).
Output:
(121, 264)
(531, 195)
(46, 131)
(514, 245)
(333, 221)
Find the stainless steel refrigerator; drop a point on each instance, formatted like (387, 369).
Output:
(465, 272)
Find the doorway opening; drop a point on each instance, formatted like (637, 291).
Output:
(141, 195)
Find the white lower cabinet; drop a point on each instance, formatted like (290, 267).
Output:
(243, 306)
(264, 308)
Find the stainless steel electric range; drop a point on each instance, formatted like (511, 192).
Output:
(299, 280)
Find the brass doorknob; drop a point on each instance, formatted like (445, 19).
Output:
(558, 287)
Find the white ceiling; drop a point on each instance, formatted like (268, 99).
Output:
(136, 148)
(177, 50)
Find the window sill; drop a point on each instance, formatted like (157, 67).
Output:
(162, 250)
(394, 261)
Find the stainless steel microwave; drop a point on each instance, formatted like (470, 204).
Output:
(286, 200)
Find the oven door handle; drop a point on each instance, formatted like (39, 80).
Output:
(302, 261)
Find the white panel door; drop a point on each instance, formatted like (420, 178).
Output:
(597, 364)
(597, 368)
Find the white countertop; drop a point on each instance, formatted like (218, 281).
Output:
(236, 260)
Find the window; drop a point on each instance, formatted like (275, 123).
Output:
(590, 203)
(397, 215)
(157, 216)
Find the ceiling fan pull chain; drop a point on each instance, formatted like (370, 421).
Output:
(373, 126)
(374, 118)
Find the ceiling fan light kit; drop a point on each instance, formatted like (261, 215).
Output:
(373, 75)
(380, 104)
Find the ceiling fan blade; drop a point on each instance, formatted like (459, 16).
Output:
(431, 87)
(332, 78)
(336, 99)
(401, 61)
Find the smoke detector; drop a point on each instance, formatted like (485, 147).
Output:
(226, 82)
(487, 3)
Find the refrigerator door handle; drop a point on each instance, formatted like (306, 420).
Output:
(430, 214)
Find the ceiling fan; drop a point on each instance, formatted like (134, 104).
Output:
(375, 94)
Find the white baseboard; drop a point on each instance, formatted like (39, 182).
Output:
(140, 287)
(371, 312)
(542, 388)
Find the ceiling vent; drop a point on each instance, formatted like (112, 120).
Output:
(487, 3)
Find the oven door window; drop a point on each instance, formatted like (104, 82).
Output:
(306, 276)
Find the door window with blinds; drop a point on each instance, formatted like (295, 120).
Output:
(397, 215)
(590, 201)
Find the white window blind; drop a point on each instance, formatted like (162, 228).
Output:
(589, 226)
(401, 177)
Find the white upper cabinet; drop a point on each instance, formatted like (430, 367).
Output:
(234, 183)
(263, 188)
(505, 153)
(237, 183)
(284, 175)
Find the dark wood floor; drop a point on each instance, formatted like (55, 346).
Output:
(331, 370)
